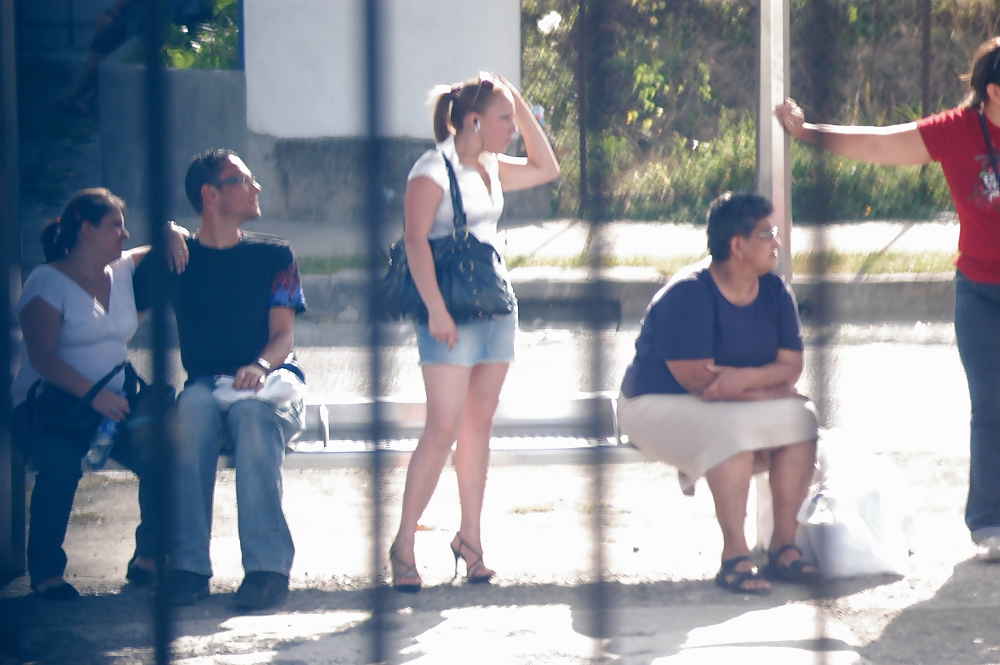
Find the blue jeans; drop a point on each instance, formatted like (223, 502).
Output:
(258, 431)
(57, 460)
(977, 330)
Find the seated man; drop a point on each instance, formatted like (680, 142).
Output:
(235, 306)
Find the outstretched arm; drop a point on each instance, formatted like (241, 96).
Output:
(540, 166)
(898, 144)
(176, 247)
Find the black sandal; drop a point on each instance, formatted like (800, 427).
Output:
(794, 573)
(732, 580)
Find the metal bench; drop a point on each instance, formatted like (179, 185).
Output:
(563, 431)
(560, 431)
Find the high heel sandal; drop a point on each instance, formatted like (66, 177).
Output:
(471, 567)
(402, 572)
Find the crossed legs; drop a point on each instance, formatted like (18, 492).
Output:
(461, 402)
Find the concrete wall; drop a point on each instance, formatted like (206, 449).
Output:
(313, 86)
(306, 100)
(207, 110)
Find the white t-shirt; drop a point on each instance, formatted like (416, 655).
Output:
(482, 209)
(91, 339)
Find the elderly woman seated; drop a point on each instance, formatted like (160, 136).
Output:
(711, 389)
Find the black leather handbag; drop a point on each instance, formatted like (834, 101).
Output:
(467, 274)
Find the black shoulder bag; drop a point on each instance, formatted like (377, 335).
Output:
(466, 271)
(52, 411)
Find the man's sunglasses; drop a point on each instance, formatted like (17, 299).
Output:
(245, 180)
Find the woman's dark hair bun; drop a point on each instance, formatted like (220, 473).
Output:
(59, 236)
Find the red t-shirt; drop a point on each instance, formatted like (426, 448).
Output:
(955, 138)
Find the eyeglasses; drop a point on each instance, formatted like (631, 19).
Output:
(245, 180)
(770, 234)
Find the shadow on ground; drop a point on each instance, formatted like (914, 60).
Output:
(645, 622)
(959, 624)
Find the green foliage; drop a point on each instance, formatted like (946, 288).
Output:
(681, 100)
(209, 45)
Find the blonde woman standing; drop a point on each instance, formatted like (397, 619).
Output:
(464, 365)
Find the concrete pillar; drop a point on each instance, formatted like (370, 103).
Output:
(774, 164)
(305, 91)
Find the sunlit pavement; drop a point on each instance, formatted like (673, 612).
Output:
(894, 393)
(567, 238)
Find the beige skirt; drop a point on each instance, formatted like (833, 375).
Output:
(694, 436)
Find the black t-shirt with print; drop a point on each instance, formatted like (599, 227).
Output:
(223, 300)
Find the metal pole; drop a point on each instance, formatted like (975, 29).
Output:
(12, 525)
(374, 222)
(158, 190)
(594, 53)
(774, 164)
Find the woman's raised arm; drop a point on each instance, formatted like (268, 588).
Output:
(541, 165)
(899, 145)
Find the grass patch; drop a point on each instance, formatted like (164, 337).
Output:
(874, 263)
(803, 264)
(320, 265)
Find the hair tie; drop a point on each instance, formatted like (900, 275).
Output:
(454, 93)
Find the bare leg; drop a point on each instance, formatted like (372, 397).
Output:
(83, 92)
(729, 482)
(447, 387)
(472, 455)
(791, 473)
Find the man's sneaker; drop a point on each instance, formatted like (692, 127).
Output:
(260, 590)
(988, 551)
(139, 576)
(186, 588)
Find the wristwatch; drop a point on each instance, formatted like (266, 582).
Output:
(263, 364)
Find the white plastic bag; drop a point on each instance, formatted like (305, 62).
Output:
(854, 520)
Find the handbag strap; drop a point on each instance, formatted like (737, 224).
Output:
(456, 195)
(86, 399)
(103, 381)
(990, 150)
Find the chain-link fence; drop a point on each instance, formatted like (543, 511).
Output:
(651, 109)
(680, 102)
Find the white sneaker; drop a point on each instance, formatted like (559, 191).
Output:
(988, 551)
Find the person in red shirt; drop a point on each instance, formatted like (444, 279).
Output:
(964, 141)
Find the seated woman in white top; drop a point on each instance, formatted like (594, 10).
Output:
(464, 365)
(77, 314)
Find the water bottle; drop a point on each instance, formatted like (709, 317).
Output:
(100, 445)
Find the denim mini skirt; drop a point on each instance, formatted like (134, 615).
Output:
(479, 342)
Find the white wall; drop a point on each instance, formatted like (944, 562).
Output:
(305, 61)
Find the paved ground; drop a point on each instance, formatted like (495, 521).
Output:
(661, 550)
